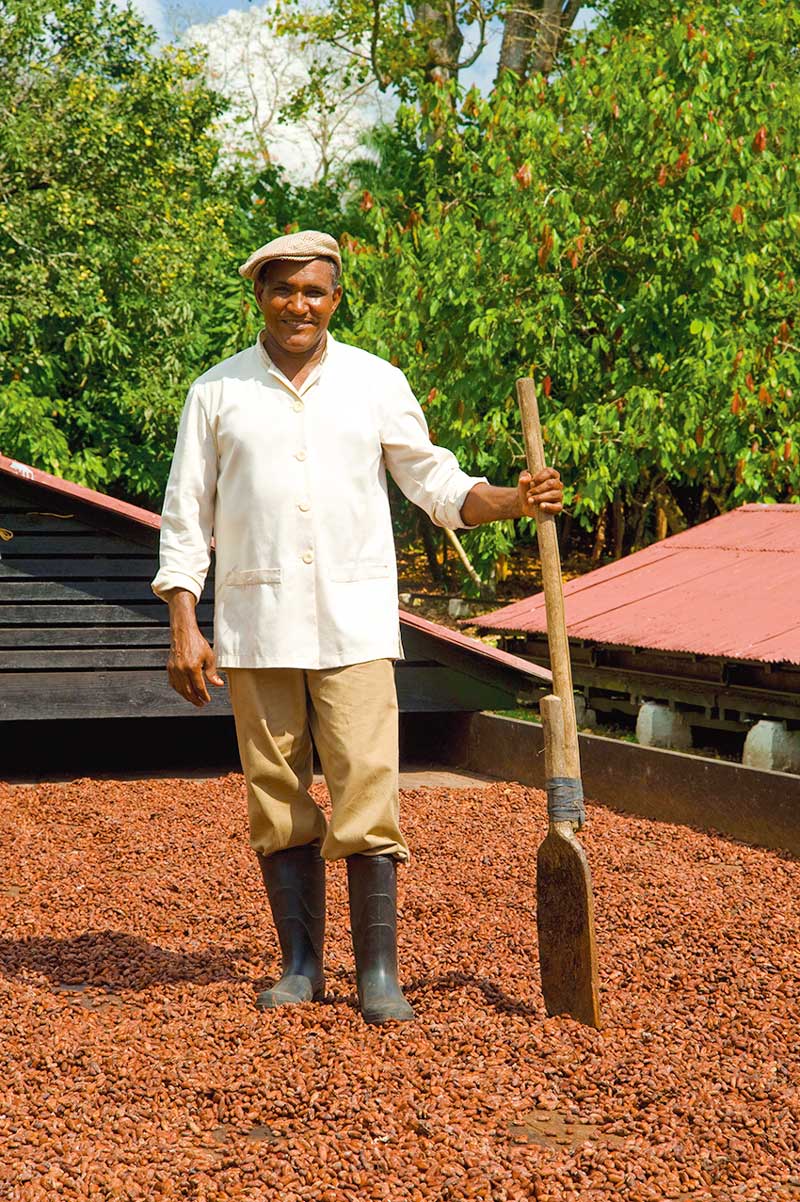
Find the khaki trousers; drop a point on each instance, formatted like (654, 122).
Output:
(351, 713)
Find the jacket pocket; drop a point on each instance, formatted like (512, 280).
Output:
(360, 569)
(237, 579)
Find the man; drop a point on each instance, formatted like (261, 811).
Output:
(282, 453)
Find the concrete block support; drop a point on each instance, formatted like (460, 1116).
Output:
(659, 726)
(460, 607)
(584, 714)
(772, 748)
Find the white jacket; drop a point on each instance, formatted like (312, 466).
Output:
(292, 485)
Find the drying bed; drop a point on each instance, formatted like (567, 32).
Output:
(133, 1064)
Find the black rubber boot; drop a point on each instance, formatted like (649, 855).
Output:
(372, 881)
(295, 883)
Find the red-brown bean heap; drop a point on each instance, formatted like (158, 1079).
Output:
(134, 1065)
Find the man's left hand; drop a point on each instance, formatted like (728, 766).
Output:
(542, 493)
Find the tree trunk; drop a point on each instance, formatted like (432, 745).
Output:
(455, 543)
(599, 538)
(429, 543)
(676, 519)
(641, 521)
(661, 521)
(670, 518)
(444, 40)
(517, 39)
(534, 33)
(618, 517)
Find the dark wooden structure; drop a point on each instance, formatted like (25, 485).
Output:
(81, 633)
(83, 637)
(712, 692)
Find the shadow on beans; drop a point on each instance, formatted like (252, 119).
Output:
(115, 959)
(496, 997)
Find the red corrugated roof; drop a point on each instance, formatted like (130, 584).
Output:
(456, 639)
(730, 587)
(76, 492)
(145, 517)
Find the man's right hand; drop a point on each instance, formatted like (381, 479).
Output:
(190, 655)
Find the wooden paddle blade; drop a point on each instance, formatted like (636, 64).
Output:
(565, 921)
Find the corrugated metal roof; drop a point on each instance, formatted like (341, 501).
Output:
(145, 517)
(456, 639)
(730, 588)
(77, 492)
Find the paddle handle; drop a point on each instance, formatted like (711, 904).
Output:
(547, 535)
(555, 752)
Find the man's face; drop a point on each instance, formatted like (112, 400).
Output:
(298, 301)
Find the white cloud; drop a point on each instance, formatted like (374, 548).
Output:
(259, 70)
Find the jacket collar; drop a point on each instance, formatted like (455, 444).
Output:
(263, 354)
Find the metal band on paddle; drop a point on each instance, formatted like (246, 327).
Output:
(565, 800)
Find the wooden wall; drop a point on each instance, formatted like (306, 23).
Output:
(83, 636)
(81, 633)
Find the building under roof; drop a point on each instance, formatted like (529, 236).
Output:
(707, 620)
(83, 637)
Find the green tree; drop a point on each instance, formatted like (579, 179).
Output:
(627, 233)
(113, 235)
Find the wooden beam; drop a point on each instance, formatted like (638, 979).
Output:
(93, 615)
(28, 696)
(19, 496)
(43, 522)
(63, 567)
(21, 546)
(25, 588)
(81, 658)
(88, 636)
(441, 689)
(36, 696)
(420, 645)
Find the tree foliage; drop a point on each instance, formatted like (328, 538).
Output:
(626, 230)
(627, 233)
(112, 239)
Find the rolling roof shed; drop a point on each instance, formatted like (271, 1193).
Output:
(708, 620)
(83, 637)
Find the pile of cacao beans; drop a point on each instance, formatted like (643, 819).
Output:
(134, 1065)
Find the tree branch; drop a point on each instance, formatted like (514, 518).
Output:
(367, 58)
(570, 13)
(467, 62)
(383, 81)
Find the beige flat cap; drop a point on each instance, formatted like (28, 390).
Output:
(304, 245)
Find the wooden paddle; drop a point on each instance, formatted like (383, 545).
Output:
(564, 902)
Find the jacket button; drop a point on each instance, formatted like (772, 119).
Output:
(300, 455)
(308, 557)
(297, 406)
(304, 505)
